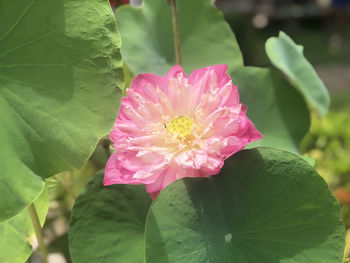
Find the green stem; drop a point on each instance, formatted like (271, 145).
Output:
(38, 232)
(67, 188)
(176, 31)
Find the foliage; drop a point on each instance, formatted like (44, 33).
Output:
(222, 219)
(17, 233)
(275, 100)
(329, 142)
(51, 78)
(206, 39)
(276, 109)
(97, 216)
(61, 82)
(289, 58)
(230, 219)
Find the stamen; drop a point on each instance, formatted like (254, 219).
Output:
(182, 125)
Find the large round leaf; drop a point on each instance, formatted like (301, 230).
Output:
(275, 107)
(265, 206)
(16, 234)
(148, 42)
(289, 58)
(60, 79)
(107, 224)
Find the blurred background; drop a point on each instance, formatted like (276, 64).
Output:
(322, 27)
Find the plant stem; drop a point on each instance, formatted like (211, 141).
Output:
(176, 31)
(67, 188)
(38, 232)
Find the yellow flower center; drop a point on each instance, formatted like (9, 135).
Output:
(182, 125)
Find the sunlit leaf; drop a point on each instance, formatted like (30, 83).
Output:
(148, 42)
(60, 81)
(17, 233)
(275, 107)
(265, 206)
(289, 58)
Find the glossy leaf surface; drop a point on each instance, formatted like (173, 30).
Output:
(148, 42)
(265, 206)
(17, 233)
(275, 107)
(107, 224)
(289, 58)
(60, 80)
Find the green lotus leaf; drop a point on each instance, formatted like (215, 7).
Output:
(277, 110)
(289, 58)
(60, 88)
(17, 232)
(108, 222)
(148, 42)
(265, 206)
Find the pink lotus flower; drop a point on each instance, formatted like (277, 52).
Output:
(177, 126)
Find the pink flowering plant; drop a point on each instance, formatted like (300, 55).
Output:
(190, 155)
(176, 126)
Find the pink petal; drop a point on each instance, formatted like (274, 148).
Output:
(173, 173)
(147, 152)
(175, 71)
(116, 174)
(220, 71)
